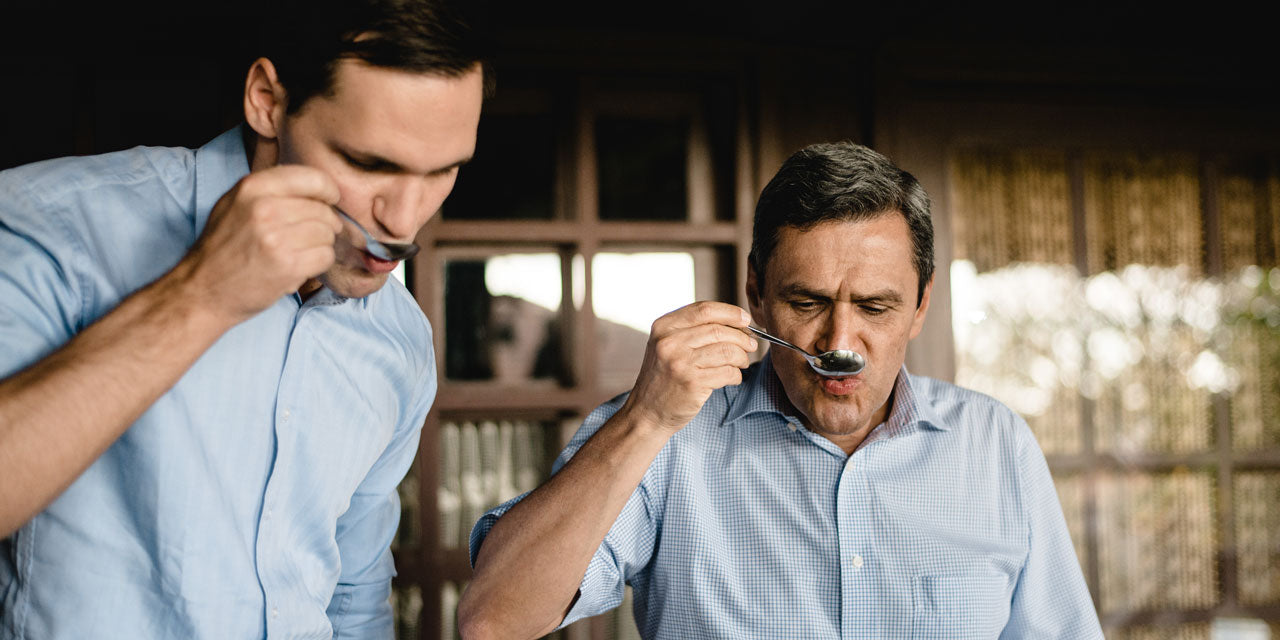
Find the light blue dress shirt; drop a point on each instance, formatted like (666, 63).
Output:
(255, 499)
(943, 524)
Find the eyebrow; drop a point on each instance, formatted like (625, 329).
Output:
(379, 163)
(885, 296)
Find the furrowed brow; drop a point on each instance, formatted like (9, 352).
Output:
(887, 296)
(801, 291)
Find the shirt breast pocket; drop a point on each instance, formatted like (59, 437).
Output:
(961, 605)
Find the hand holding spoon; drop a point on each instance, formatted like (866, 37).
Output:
(841, 362)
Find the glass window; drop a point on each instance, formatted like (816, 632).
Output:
(484, 463)
(502, 320)
(1128, 350)
(629, 291)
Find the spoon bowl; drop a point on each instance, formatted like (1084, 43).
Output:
(837, 363)
(384, 250)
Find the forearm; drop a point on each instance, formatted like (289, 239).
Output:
(533, 560)
(58, 415)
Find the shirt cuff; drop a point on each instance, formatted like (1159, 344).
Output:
(601, 590)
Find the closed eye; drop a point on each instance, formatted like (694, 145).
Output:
(372, 166)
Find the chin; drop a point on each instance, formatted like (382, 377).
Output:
(353, 283)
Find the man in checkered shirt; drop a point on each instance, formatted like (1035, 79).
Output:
(777, 502)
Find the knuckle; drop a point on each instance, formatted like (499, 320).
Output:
(271, 242)
(703, 311)
(656, 329)
(723, 352)
(261, 210)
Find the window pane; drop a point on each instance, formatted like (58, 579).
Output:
(1142, 209)
(1257, 505)
(449, 594)
(513, 173)
(1023, 202)
(1071, 495)
(642, 168)
(406, 603)
(409, 534)
(502, 318)
(485, 463)
(629, 292)
(1018, 338)
(1144, 339)
(1016, 295)
(1157, 541)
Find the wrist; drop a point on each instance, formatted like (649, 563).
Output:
(180, 293)
(642, 425)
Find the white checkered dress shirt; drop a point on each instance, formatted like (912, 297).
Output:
(943, 524)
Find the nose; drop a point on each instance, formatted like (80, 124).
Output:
(840, 330)
(407, 203)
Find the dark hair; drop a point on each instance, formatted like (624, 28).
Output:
(306, 39)
(841, 181)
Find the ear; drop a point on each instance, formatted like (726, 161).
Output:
(264, 99)
(917, 323)
(754, 301)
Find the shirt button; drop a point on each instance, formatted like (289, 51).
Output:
(267, 515)
(275, 613)
(284, 416)
(857, 562)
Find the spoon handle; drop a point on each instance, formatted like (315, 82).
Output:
(777, 341)
(384, 250)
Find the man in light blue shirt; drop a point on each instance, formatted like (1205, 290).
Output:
(208, 395)
(784, 503)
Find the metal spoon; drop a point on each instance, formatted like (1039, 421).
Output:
(841, 362)
(385, 250)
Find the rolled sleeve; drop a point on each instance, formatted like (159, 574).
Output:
(42, 296)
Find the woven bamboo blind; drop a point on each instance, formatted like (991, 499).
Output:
(1144, 329)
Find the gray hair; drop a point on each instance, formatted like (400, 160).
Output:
(841, 181)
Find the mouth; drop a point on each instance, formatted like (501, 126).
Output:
(841, 386)
(376, 265)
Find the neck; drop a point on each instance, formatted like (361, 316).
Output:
(262, 153)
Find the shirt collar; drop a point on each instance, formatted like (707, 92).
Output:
(220, 164)
(761, 391)
(910, 408)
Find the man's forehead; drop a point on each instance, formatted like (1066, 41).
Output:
(818, 258)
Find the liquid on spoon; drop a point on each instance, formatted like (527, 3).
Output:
(837, 363)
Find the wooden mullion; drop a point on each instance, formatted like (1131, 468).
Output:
(744, 192)
(1162, 462)
(1174, 617)
(1088, 430)
(473, 396)
(587, 212)
(561, 232)
(1226, 553)
(419, 566)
